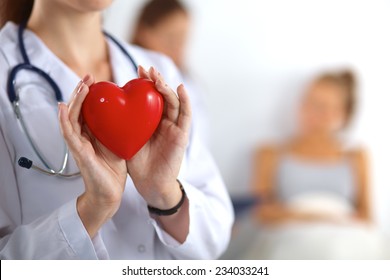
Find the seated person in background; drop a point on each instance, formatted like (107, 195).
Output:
(312, 177)
(163, 26)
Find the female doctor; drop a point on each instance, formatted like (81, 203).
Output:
(167, 202)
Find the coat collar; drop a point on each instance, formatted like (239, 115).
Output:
(42, 57)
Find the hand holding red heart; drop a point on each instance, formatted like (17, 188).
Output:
(154, 169)
(104, 173)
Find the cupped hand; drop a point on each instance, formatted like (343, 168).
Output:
(104, 174)
(154, 169)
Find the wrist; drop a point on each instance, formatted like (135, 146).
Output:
(170, 211)
(93, 214)
(168, 199)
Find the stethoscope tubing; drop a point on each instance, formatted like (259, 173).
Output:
(14, 99)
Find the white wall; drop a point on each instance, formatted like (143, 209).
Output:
(252, 56)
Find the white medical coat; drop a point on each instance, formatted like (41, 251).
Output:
(38, 216)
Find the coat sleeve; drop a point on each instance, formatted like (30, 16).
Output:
(210, 208)
(59, 235)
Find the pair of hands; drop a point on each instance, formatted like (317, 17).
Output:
(154, 169)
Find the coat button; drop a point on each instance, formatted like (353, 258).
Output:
(141, 248)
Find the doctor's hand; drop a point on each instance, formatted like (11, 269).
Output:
(104, 173)
(154, 169)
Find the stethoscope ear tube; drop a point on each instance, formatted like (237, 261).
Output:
(13, 96)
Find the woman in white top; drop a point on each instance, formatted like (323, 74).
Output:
(104, 212)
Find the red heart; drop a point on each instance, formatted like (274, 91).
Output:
(123, 119)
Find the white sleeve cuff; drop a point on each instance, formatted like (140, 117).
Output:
(164, 237)
(77, 236)
(192, 196)
(208, 235)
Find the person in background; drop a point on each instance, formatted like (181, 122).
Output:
(315, 161)
(314, 191)
(163, 26)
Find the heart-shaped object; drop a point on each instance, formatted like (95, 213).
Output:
(123, 118)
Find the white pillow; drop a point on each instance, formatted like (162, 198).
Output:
(321, 203)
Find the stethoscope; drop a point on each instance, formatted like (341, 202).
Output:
(13, 96)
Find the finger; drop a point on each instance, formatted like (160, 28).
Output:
(88, 80)
(172, 111)
(155, 75)
(142, 73)
(77, 102)
(184, 121)
(75, 91)
(75, 107)
(172, 103)
(66, 127)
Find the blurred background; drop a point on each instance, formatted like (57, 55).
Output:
(254, 60)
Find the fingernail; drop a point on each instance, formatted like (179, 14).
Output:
(86, 78)
(80, 87)
(59, 108)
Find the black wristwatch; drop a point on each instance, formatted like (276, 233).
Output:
(173, 210)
